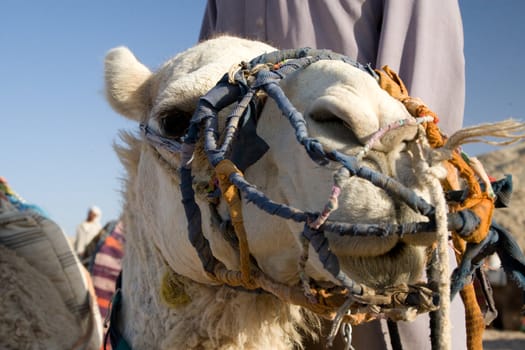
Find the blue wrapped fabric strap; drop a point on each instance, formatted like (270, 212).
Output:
(233, 121)
(193, 215)
(283, 55)
(499, 241)
(218, 98)
(462, 221)
(253, 195)
(330, 262)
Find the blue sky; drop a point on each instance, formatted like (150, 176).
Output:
(57, 130)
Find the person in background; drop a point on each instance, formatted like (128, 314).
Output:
(87, 230)
(422, 40)
(105, 264)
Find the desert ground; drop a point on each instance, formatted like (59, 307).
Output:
(503, 340)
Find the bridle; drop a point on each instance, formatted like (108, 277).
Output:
(240, 88)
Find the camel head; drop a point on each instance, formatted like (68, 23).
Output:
(330, 177)
(343, 108)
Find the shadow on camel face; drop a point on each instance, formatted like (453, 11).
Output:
(343, 107)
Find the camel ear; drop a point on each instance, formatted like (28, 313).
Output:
(126, 82)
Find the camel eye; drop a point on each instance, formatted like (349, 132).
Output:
(175, 123)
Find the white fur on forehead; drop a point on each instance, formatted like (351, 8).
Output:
(192, 73)
(135, 92)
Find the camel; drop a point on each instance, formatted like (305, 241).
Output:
(250, 216)
(47, 298)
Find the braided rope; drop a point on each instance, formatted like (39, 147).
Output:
(432, 179)
(230, 194)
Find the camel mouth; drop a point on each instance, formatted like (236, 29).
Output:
(363, 202)
(363, 258)
(402, 263)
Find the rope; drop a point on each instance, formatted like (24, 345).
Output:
(193, 213)
(443, 320)
(389, 127)
(329, 207)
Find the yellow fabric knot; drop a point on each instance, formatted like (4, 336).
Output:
(230, 194)
(172, 290)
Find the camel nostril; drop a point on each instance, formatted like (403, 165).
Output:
(394, 137)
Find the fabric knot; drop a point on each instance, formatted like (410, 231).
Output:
(225, 168)
(315, 150)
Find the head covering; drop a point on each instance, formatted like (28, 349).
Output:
(96, 210)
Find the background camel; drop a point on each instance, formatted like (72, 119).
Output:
(47, 301)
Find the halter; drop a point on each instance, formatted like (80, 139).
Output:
(241, 87)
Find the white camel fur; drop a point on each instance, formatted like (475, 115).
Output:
(343, 107)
